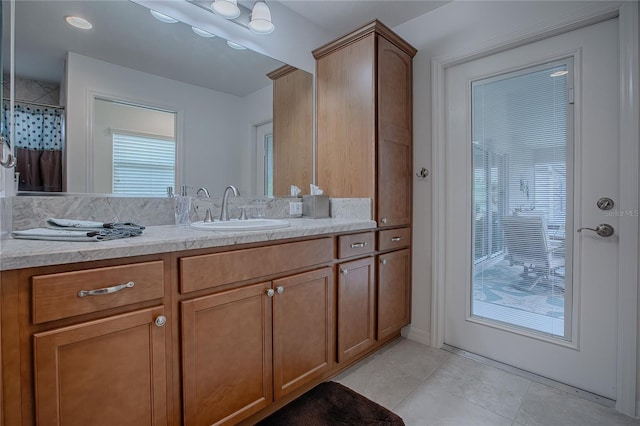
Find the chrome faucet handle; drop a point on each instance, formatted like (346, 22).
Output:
(204, 190)
(243, 213)
(207, 216)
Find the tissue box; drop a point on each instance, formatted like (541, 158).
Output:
(315, 206)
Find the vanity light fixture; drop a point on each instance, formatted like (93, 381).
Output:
(202, 33)
(78, 22)
(163, 18)
(235, 45)
(261, 19)
(226, 8)
(559, 73)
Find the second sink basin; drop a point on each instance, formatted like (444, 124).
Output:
(242, 225)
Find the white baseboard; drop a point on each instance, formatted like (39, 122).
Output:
(416, 334)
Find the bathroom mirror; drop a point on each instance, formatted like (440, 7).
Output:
(218, 96)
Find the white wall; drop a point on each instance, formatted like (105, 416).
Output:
(455, 30)
(257, 108)
(212, 146)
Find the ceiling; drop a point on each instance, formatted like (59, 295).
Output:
(125, 34)
(339, 17)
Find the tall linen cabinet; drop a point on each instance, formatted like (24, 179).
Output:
(364, 150)
(364, 121)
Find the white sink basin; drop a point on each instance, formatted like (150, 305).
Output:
(242, 225)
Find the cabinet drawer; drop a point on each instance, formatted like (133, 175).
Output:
(67, 294)
(394, 238)
(355, 244)
(217, 269)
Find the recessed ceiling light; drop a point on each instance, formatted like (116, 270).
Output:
(162, 17)
(202, 33)
(78, 22)
(559, 73)
(235, 45)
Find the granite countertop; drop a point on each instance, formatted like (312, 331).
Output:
(18, 254)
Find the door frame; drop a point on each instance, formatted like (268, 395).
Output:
(627, 13)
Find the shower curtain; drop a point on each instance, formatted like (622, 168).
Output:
(39, 145)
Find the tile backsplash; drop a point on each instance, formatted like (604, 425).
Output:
(32, 211)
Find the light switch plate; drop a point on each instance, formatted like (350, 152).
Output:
(295, 208)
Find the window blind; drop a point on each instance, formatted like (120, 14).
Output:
(143, 165)
(519, 141)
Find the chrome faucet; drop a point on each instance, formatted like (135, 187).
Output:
(224, 211)
(204, 190)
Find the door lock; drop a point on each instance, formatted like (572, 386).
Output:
(604, 230)
(605, 203)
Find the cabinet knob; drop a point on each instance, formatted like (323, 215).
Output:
(344, 271)
(383, 261)
(270, 292)
(384, 220)
(161, 321)
(280, 289)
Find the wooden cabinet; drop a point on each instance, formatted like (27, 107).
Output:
(303, 329)
(110, 371)
(87, 344)
(226, 355)
(364, 121)
(292, 129)
(356, 308)
(244, 348)
(394, 292)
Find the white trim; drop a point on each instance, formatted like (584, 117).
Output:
(628, 243)
(628, 265)
(416, 334)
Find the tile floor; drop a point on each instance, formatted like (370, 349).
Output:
(428, 386)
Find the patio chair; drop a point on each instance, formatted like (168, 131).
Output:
(528, 244)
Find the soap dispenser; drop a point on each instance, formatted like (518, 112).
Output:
(183, 207)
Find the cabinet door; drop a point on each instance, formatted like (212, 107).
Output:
(106, 372)
(395, 129)
(394, 292)
(226, 351)
(356, 308)
(346, 119)
(303, 329)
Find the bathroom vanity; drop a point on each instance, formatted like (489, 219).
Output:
(197, 327)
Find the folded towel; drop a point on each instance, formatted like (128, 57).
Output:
(71, 235)
(83, 225)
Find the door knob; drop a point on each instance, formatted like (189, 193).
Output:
(604, 230)
(161, 320)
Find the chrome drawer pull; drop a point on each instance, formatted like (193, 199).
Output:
(106, 290)
(358, 245)
(396, 238)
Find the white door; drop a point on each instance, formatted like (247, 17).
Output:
(532, 144)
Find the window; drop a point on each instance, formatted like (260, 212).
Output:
(521, 153)
(143, 165)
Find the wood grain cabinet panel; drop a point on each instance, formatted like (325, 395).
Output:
(105, 372)
(395, 159)
(391, 239)
(394, 292)
(218, 269)
(356, 307)
(292, 129)
(355, 244)
(303, 329)
(364, 121)
(56, 296)
(226, 350)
